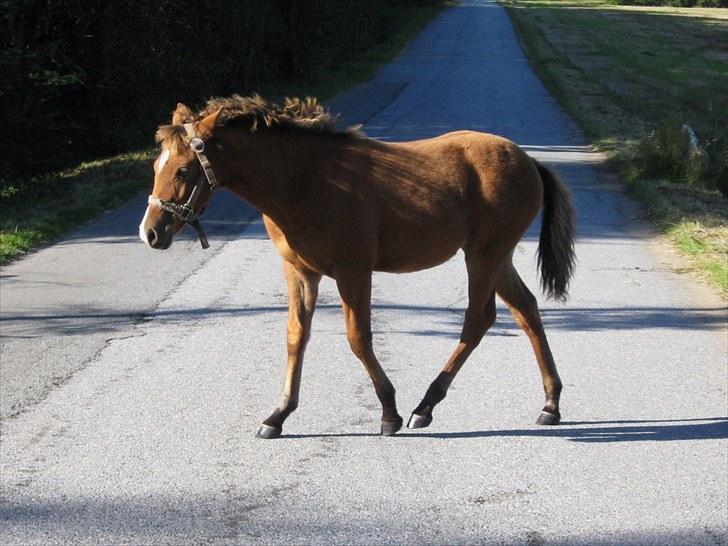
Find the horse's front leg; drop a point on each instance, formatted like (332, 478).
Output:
(355, 290)
(302, 294)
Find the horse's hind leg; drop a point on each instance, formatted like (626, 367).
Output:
(302, 294)
(355, 290)
(479, 316)
(524, 308)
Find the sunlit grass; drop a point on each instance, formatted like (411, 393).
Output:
(708, 246)
(696, 222)
(628, 73)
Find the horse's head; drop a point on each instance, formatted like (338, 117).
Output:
(183, 179)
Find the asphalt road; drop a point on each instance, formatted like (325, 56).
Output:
(132, 381)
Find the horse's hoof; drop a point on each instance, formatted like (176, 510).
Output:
(390, 428)
(546, 418)
(267, 432)
(419, 421)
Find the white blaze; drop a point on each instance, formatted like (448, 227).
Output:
(142, 231)
(162, 160)
(158, 166)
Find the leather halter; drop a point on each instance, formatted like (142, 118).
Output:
(186, 212)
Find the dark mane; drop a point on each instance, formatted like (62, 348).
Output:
(299, 115)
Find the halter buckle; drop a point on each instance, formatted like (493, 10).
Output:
(185, 213)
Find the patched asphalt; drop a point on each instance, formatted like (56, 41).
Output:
(132, 381)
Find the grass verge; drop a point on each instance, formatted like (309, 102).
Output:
(41, 209)
(632, 76)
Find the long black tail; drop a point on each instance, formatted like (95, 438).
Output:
(556, 244)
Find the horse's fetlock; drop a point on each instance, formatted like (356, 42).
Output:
(436, 393)
(387, 395)
(556, 389)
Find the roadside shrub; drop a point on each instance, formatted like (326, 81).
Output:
(668, 153)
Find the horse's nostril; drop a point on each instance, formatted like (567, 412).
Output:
(151, 237)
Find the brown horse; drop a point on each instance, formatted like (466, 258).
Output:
(339, 204)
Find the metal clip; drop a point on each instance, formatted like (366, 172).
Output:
(197, 145)
(185, 213)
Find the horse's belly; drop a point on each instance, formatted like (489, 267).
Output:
(417, 252)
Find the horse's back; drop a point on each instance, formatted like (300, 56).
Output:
(466, 188)
(401, 207)
(502, 182)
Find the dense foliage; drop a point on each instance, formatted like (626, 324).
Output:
(83, 79)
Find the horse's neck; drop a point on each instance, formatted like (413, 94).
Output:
(266, 168)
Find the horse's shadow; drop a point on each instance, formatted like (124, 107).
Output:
(709, 428)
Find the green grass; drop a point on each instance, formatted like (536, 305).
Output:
(631, 77)
(39, 210)
(694, 220)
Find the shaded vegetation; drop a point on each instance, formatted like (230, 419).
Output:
(83, 80)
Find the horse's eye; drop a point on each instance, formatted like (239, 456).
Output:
(182, 173)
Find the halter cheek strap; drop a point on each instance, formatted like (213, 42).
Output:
(198, 146)
(186, 212)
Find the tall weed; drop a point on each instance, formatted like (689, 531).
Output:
(668, 153)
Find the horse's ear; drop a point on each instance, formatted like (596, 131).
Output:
(181, 115)
(206, 126)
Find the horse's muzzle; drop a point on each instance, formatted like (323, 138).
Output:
(157, 236)
(158, 242)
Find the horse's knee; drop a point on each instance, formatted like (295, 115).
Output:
(297, 341)
(298, 329)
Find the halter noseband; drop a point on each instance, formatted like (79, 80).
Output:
(186, 213)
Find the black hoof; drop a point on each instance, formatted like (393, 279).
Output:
(546, 418)
(390, 428)
(267, 432)
(419, 421)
